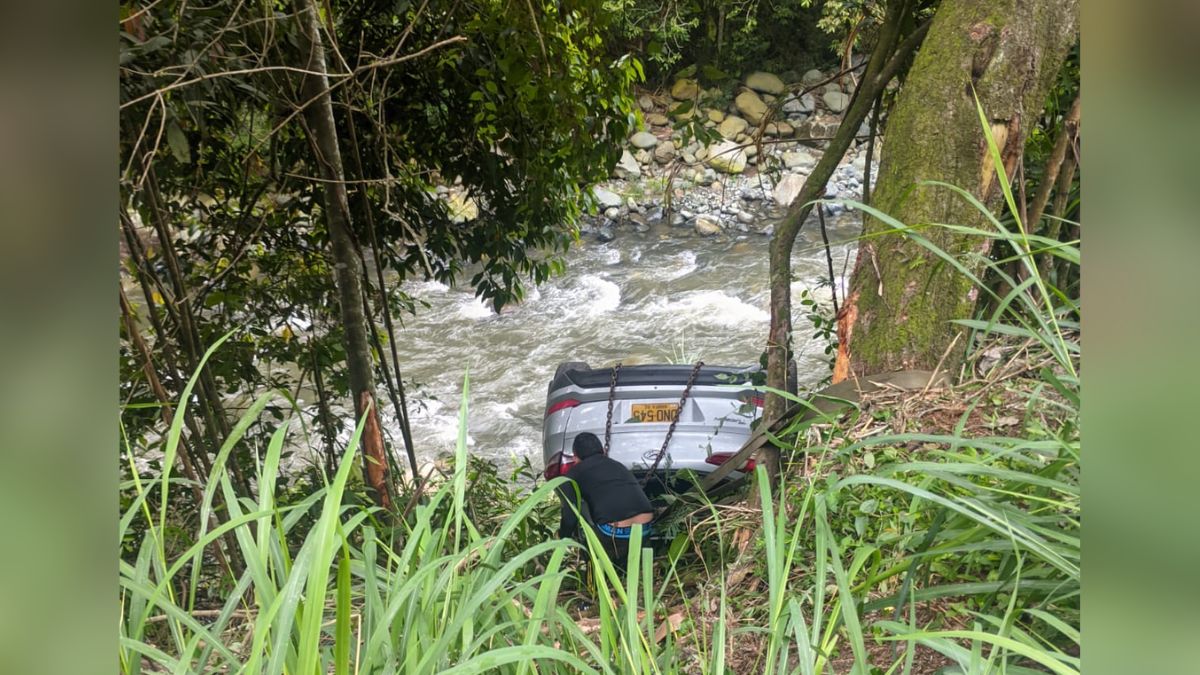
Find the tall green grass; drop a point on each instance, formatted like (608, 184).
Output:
(444, 598)
(848, 557)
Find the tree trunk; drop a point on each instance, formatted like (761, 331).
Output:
(1008, 52)
(318, 115)
(885, 60)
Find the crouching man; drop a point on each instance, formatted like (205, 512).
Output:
(614, 499)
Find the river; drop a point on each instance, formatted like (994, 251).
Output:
(666, 295)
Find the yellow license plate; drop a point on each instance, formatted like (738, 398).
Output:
(654, 412)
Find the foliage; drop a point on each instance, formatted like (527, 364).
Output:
(889, 522)
(721, 38)
(222, 223)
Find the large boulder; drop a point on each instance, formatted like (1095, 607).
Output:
(727, 157)
(751, 106)
(799, 159)
(818, 129)
(731, 126)
(643, 140)
(683, 111)
(787, 189)
(664, 152)
(836, 101)
(799, 105)
(627, 166)
(766, 83)
(707, 226)
(462, 208)
(607, 198)
(685, 90)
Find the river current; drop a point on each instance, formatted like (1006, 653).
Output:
(666, 295)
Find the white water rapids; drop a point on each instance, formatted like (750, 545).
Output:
(663, 296)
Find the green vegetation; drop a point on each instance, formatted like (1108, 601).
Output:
(964, 545)
(912, 531)
(909, 531)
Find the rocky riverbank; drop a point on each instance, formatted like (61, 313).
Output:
(766, 138)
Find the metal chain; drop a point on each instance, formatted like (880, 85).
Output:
(612, 392)
(671, 429)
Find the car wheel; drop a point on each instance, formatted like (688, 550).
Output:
(570, 365)
(564, 367)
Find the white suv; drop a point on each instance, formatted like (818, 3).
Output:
(714, 420)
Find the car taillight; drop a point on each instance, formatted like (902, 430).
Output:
(558, 466)
(561, 405)
(719, 458)
(757, 400)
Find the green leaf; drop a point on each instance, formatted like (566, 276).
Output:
(178, 143)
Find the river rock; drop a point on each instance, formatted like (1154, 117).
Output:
(683, 111)
(643, 156)
(812, 77)
(707, 226)
(606, 232)
(787, 189)
(727, 157)
(779, 129)
(643, 140)
(607, 198)
(612, 212)
(685, 90)
(462, 208)
(799, 105)
(836, 101)
(687, 157)
(627, 166)
(658, 119)
(766, 83)
(751, 151)
(645, 103)
(714, 115)
(832, 87)
(817, 129)
(745, 217)
(664, 152)
(732, 126)
(751, 106)
(799, 159)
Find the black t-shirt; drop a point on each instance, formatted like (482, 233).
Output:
(609, 489)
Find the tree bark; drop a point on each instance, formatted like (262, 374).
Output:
(347, 268)
(1008, 53)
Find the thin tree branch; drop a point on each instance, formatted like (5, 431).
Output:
(341, 77)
